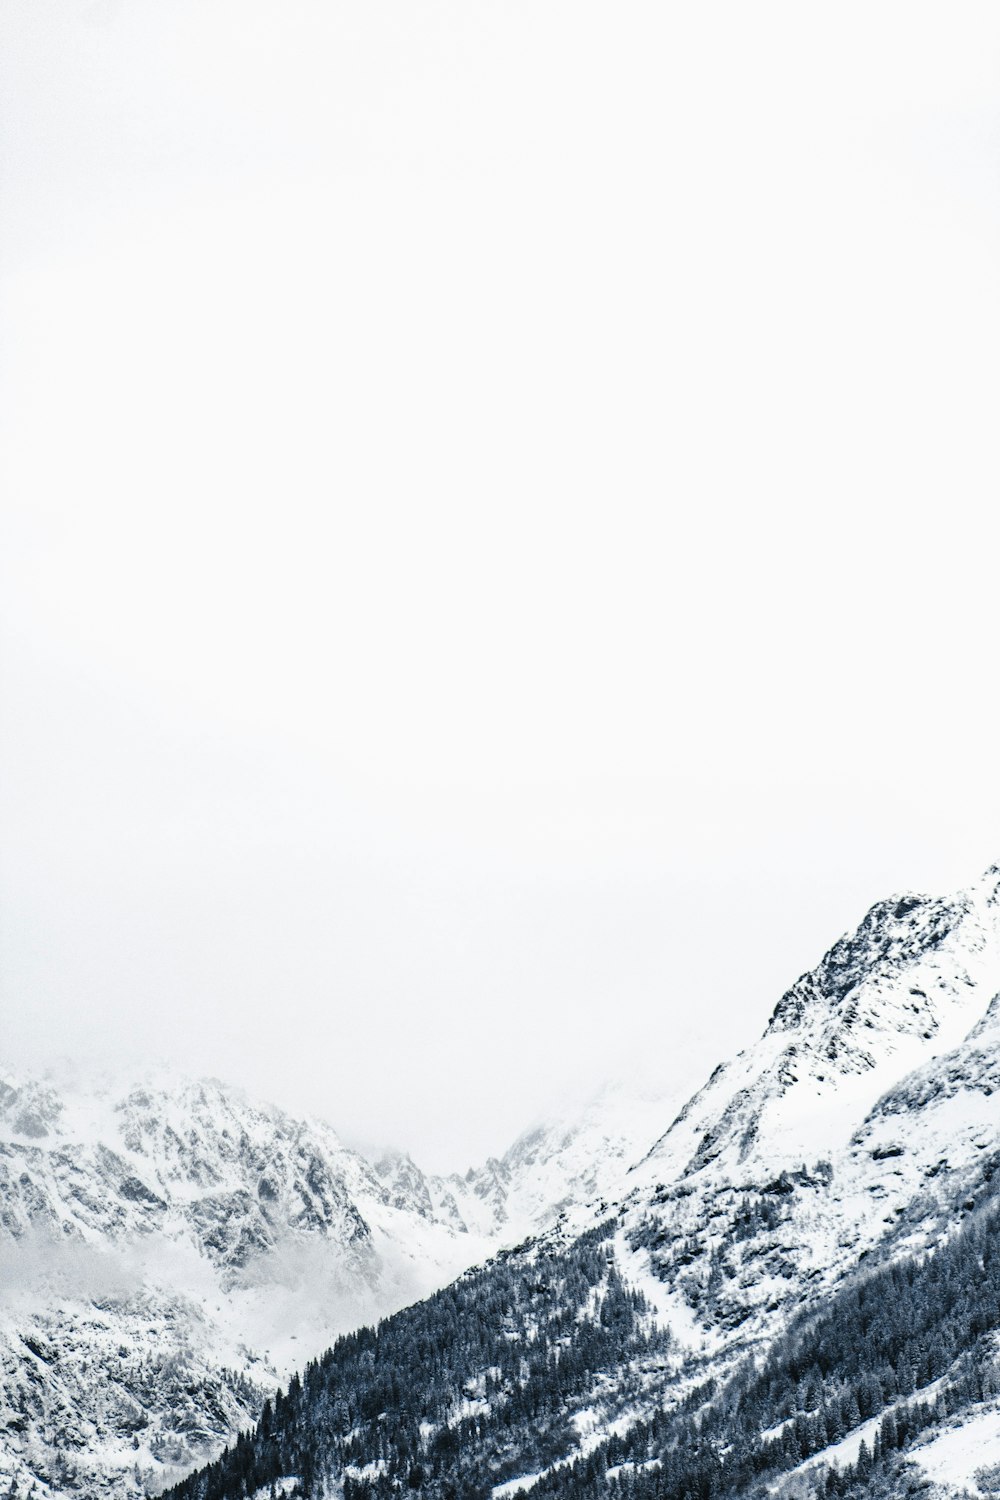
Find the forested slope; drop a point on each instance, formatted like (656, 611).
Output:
(487, 1380)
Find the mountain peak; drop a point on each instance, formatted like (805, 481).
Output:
(905, 987)
(894, 935)
(28, 1108)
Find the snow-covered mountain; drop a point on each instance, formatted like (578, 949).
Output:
(568, 1162)
(906, 986)
(169, 1251)
(837, 1095)
(167, 1254)
(801, 1273)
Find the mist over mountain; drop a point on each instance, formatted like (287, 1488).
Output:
(797, 1286)
(497, 571)
(169, 1250)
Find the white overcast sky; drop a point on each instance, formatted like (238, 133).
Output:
(499, 562)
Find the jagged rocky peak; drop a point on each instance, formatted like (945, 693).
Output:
(200, 1131)
(181, 1245)
(917, 966)
(244, 1163)
(195, 1162)
(406, 1185)
(27, 1107)
(897, 935)
(907, 986)
(813, 1245)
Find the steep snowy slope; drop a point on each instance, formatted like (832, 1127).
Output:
(570, 1162)
(167, 1252)
(837, 1097)
(906, 986)
(166, 1255)
(864, 1125)
(816, 1231)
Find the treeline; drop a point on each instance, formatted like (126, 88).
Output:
(483, 1375)
(479, 1384)
(888, 1334)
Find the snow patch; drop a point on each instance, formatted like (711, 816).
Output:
(954, 1456)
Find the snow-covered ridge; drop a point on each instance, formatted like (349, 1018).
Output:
(907, 986)
(184, 1246)
(568, 1164)
(863, 1122)
(168, 1250)
(165, 1255)
(861, 1127)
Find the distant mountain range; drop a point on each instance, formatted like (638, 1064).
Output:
(787, 1284)
(167, 1253)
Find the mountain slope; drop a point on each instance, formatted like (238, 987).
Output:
(802, 1263)
(165, 1256)
(569, 1161)
(170, 1251)
(501, 1382)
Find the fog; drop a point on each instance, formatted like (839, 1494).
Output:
(496, 554)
